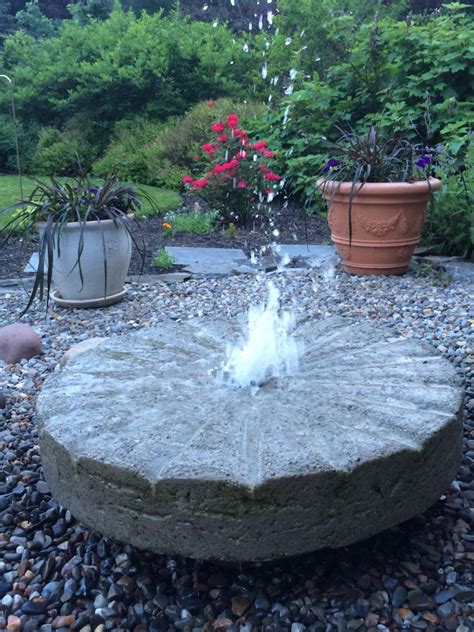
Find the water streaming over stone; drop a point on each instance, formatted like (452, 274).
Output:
(270, 350)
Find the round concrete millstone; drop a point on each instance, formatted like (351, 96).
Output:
(142, 442)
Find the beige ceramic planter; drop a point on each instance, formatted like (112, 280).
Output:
(387, 222)
(95, 289)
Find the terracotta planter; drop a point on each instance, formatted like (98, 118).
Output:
(387, 222)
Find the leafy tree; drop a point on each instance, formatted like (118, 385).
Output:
(6, 19)
(150, 6)
(32, 21)
(84, 10)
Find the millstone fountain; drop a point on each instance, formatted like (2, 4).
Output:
(161, 440)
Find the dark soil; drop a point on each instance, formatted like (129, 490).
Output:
(293, 224)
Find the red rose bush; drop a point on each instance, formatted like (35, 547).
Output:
(238, 182)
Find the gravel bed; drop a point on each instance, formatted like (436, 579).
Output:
(57, 575)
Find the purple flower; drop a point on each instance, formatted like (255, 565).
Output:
(423, 162)
(331, 163)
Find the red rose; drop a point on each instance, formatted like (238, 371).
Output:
(222, 138)
(187, 180)
(199, 184)
(268, 154)
(232, 121)
(259, 145)
(269, 175)
(241, 184)
(210, 104)
(218, 127)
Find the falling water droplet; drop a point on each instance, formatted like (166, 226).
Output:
(293, 73)
(232, 2)
(288, 41)
(276, 232)
(215, 23)
(264, 70)
(270, 17)
(289, 89)
(260, 22)
(250, 26)
(205, 7)
(285, 115)
(245, 48)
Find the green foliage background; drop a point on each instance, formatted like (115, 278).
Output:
(126, 91)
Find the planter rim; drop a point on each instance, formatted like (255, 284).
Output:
(375, 188)
(90, 222)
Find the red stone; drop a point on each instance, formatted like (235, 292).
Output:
(18, 342)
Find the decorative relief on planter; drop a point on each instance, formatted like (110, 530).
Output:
(111, 247)
(336, 224)
(404, 254)
(403, 225)
(378, 227)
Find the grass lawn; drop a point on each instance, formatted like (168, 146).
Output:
(165, 199)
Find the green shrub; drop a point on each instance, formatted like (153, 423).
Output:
(449, 228)
(390, 73)
(126, 156)
(61, 152)
(27, 137)
(152, 65)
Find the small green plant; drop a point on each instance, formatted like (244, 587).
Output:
(195, 222)
(231, 231)
(163, 259)
(424, 269)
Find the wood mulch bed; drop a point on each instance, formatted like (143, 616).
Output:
(290, 224)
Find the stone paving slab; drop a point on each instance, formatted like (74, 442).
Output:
(216, 261)
(317, 253)
(32, 265)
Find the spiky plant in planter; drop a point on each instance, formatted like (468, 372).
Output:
(85, 240)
